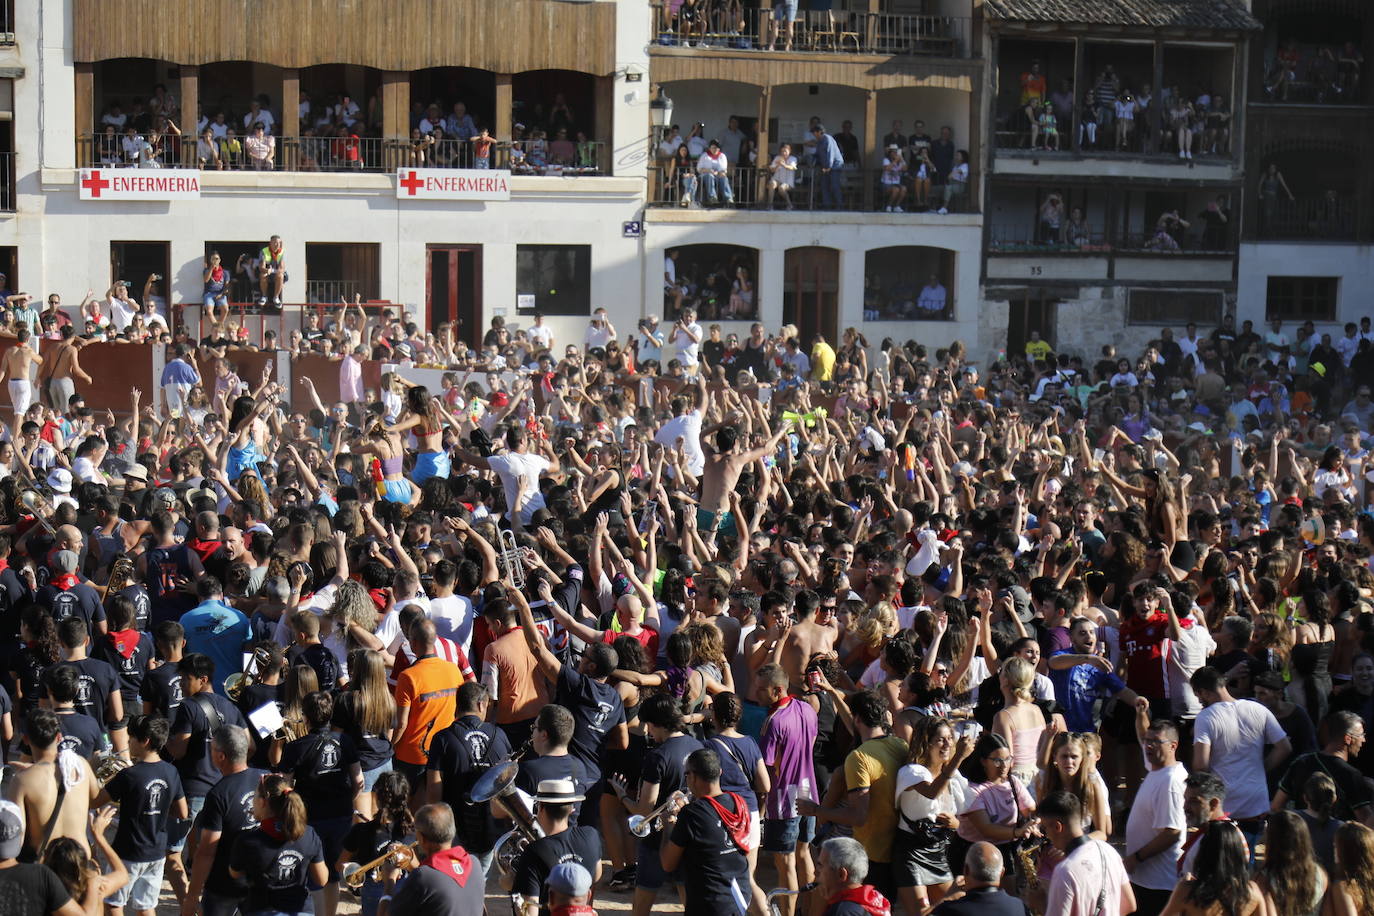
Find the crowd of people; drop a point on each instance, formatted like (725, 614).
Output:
(849, 631)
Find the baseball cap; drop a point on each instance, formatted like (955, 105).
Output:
(12, 831)
(60, 480)
(66, 561)
(165, 496)
(565, 878)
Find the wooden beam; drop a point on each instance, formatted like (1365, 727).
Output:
(505, 102)
(763, 157)
(870, 160)
(395, 104)
(603, 118)
(85, 102)
(289, 124)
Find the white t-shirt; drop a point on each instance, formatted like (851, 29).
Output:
(541, 335)
(1237, 731)
(1158, 806)
(513, 468)
(687, 349)
(915, 806)
(688, 426)
(452, 616)
(85, 471)
(1186, 655)
(1079, 881)
(121, 312)
(598, 335)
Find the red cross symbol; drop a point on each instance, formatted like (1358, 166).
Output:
(94, 183)
(412, 183)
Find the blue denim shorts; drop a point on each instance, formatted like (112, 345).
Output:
(145, 883)
(371, 776)
(193, 805)
(782, 834)
(785, 10)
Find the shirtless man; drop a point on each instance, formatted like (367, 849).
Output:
(65, 364)
(807, 637)
(723, 467)
(35, 788)
(16, 366)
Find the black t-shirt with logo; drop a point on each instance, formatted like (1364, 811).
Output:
(321, 763)
(597, 710)
(80, 733)
(161, 688)
(535, 770)
(131, 669)
(96, 681)
(256, 696)
(719, 871)
(229, 811)
(321, 659)
(366, 841)
(146, 793)
(576, 844)
(460, 754)
(31, 890)
(666, 766)
(278, 870)
(81, 600)
(198, 774)
(143, 606)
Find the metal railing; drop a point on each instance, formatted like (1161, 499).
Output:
(842, 189)
(1329, 217)
(7, 38)
(837, 31)
(357, 154)
(258, 320)
(331, 292)
(1091, 242)
(7, 196)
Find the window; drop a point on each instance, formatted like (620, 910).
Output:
(553, 279)
(336, 271)
(908, 282)
(1301, 299)
(719, 281)
(1174, 307)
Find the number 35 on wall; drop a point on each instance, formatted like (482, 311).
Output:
(1035, 270)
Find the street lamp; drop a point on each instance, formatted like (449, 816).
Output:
(660, 110)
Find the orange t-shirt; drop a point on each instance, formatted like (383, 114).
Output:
(521, 690)
(429, 688)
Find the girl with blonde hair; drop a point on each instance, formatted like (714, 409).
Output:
(1020, 721)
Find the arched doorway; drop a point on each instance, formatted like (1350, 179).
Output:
(811, 292)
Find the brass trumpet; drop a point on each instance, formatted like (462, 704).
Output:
(641, 825)
(509, 560)
(355, 875)
(33, 502)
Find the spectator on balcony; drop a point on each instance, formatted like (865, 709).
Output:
(1216, 219)
(258, 114)
(262, 149)
(132, 146)
(1286, 70)
(1181, 117)
(1048, 125)
(957, 185)
(829, 162)
(231, 150)
(109, 150)
(1349, 64)
(942, 155)
(1270, 184)
(732, 140)
(849, 143)
(714, 170)
(561, 150)
(1144, 120)
(1052, 219)
(271, 271)
(153, 151)
(1076, 233)
(207, 151)
(920, 140)
(682, 175)
(893, 180)
(1105, 91)
(933, 300)
(114, 116)
(782, 176)
(346, 150)
(1169, 228)
(219, 126)
(1061, 100)
(1033, 91)
(459, 124)
(667, 149)
(432, 121)
(346, 111)
(1124, 110)
(895, 136)
(1217, 138)
(561, 114)
(696, 140)
(215, 294)
(1087, 122)
(784, 15)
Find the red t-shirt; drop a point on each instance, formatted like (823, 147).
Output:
(1145, 647)
(647, 638)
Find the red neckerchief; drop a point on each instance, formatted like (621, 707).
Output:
(787, 698)
(736, 822)
(714, 156)
(65, 581)
(454, 863)
(572, 909)
(866, 896)
(272, 827)
(1192, 839)
(124, 641)
(4, 563)
(203, 549)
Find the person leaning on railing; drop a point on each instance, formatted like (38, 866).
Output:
(262, 148)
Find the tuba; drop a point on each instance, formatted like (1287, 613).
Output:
(108, 766)
(498, 784)
(235, 683)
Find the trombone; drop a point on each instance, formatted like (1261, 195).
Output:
(33, 501)
(235, 683)
(641, 825)
(355, 875)
(512, 565)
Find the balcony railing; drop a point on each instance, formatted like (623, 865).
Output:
(843, 189)
(7, 182)
(356, 154)
(7, 38)
(1309, 218)
(839, 31)
(1099, 244)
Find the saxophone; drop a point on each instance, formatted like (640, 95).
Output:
(1027, 863)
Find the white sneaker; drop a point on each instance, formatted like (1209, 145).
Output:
(942, 211)
(1190, 154)
(1182, 154)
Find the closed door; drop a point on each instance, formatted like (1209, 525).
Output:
(453, 290)
(810, 292)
